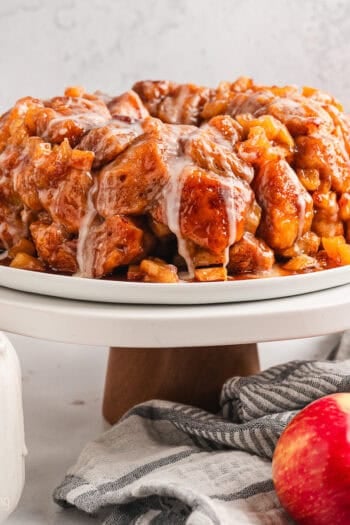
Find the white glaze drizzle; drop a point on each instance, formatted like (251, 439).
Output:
(226, 178)
(91, 120)
(231, 217)
(85, 260)
(17, 169)
(135, 126)
(9, 177)
(300, 201)
(5, 155)
(172, 198)
(301, 204)
(124, 129)
(88, 120)
(25, 217)
(177, 163)
(2, 236)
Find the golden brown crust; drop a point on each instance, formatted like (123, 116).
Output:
(233, 177)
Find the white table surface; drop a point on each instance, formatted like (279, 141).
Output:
(308, 315)
(63, 383)
(62, 390)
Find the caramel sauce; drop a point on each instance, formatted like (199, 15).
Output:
(277, 270)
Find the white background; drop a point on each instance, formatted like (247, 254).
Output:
(108, 45)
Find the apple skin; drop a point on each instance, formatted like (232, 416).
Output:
(311, 463)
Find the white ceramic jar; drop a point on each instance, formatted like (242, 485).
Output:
(12, 445)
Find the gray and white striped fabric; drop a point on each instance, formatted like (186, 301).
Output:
(166, 463)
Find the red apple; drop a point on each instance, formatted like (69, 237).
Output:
(311, 463)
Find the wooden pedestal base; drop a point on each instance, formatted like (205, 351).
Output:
(186, 375)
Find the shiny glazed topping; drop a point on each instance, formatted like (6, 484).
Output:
(241, 180)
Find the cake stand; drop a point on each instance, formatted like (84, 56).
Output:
(179, 353)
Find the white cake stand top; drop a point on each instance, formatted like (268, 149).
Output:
(144, 326)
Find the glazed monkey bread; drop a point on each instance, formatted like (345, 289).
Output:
(170, 181)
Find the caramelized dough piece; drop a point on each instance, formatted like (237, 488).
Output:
(133, 183)
(173, 103)
(220, 99)
(335, 110)
(301, 116)
(325, 227)
(246, 211)
(12, 227)
(250, 138)
(325, 154)
(206, 201)
(107, 142)
(320, 96)
(326, 221)
(341, 123)
(130, 183)
(253, 217)
(128, 105)
(287, 208)
(309, 177)
(13, 223)
(14, 219)
(23, 173)
(249, 102)
(184, 106)
(308, 244)
(68, 117)
(54, 246)
(250, 255)
(13, 123)
(111, 243)
(57, 180)
(344, 207)
(67, 202)
(153, 92)
(230, 130)
(212, 148)
(202, 257)
(5, 126)
(203, 210)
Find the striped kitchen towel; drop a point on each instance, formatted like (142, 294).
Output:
(171, 464)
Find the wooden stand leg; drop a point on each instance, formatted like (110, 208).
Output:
(186, 375)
